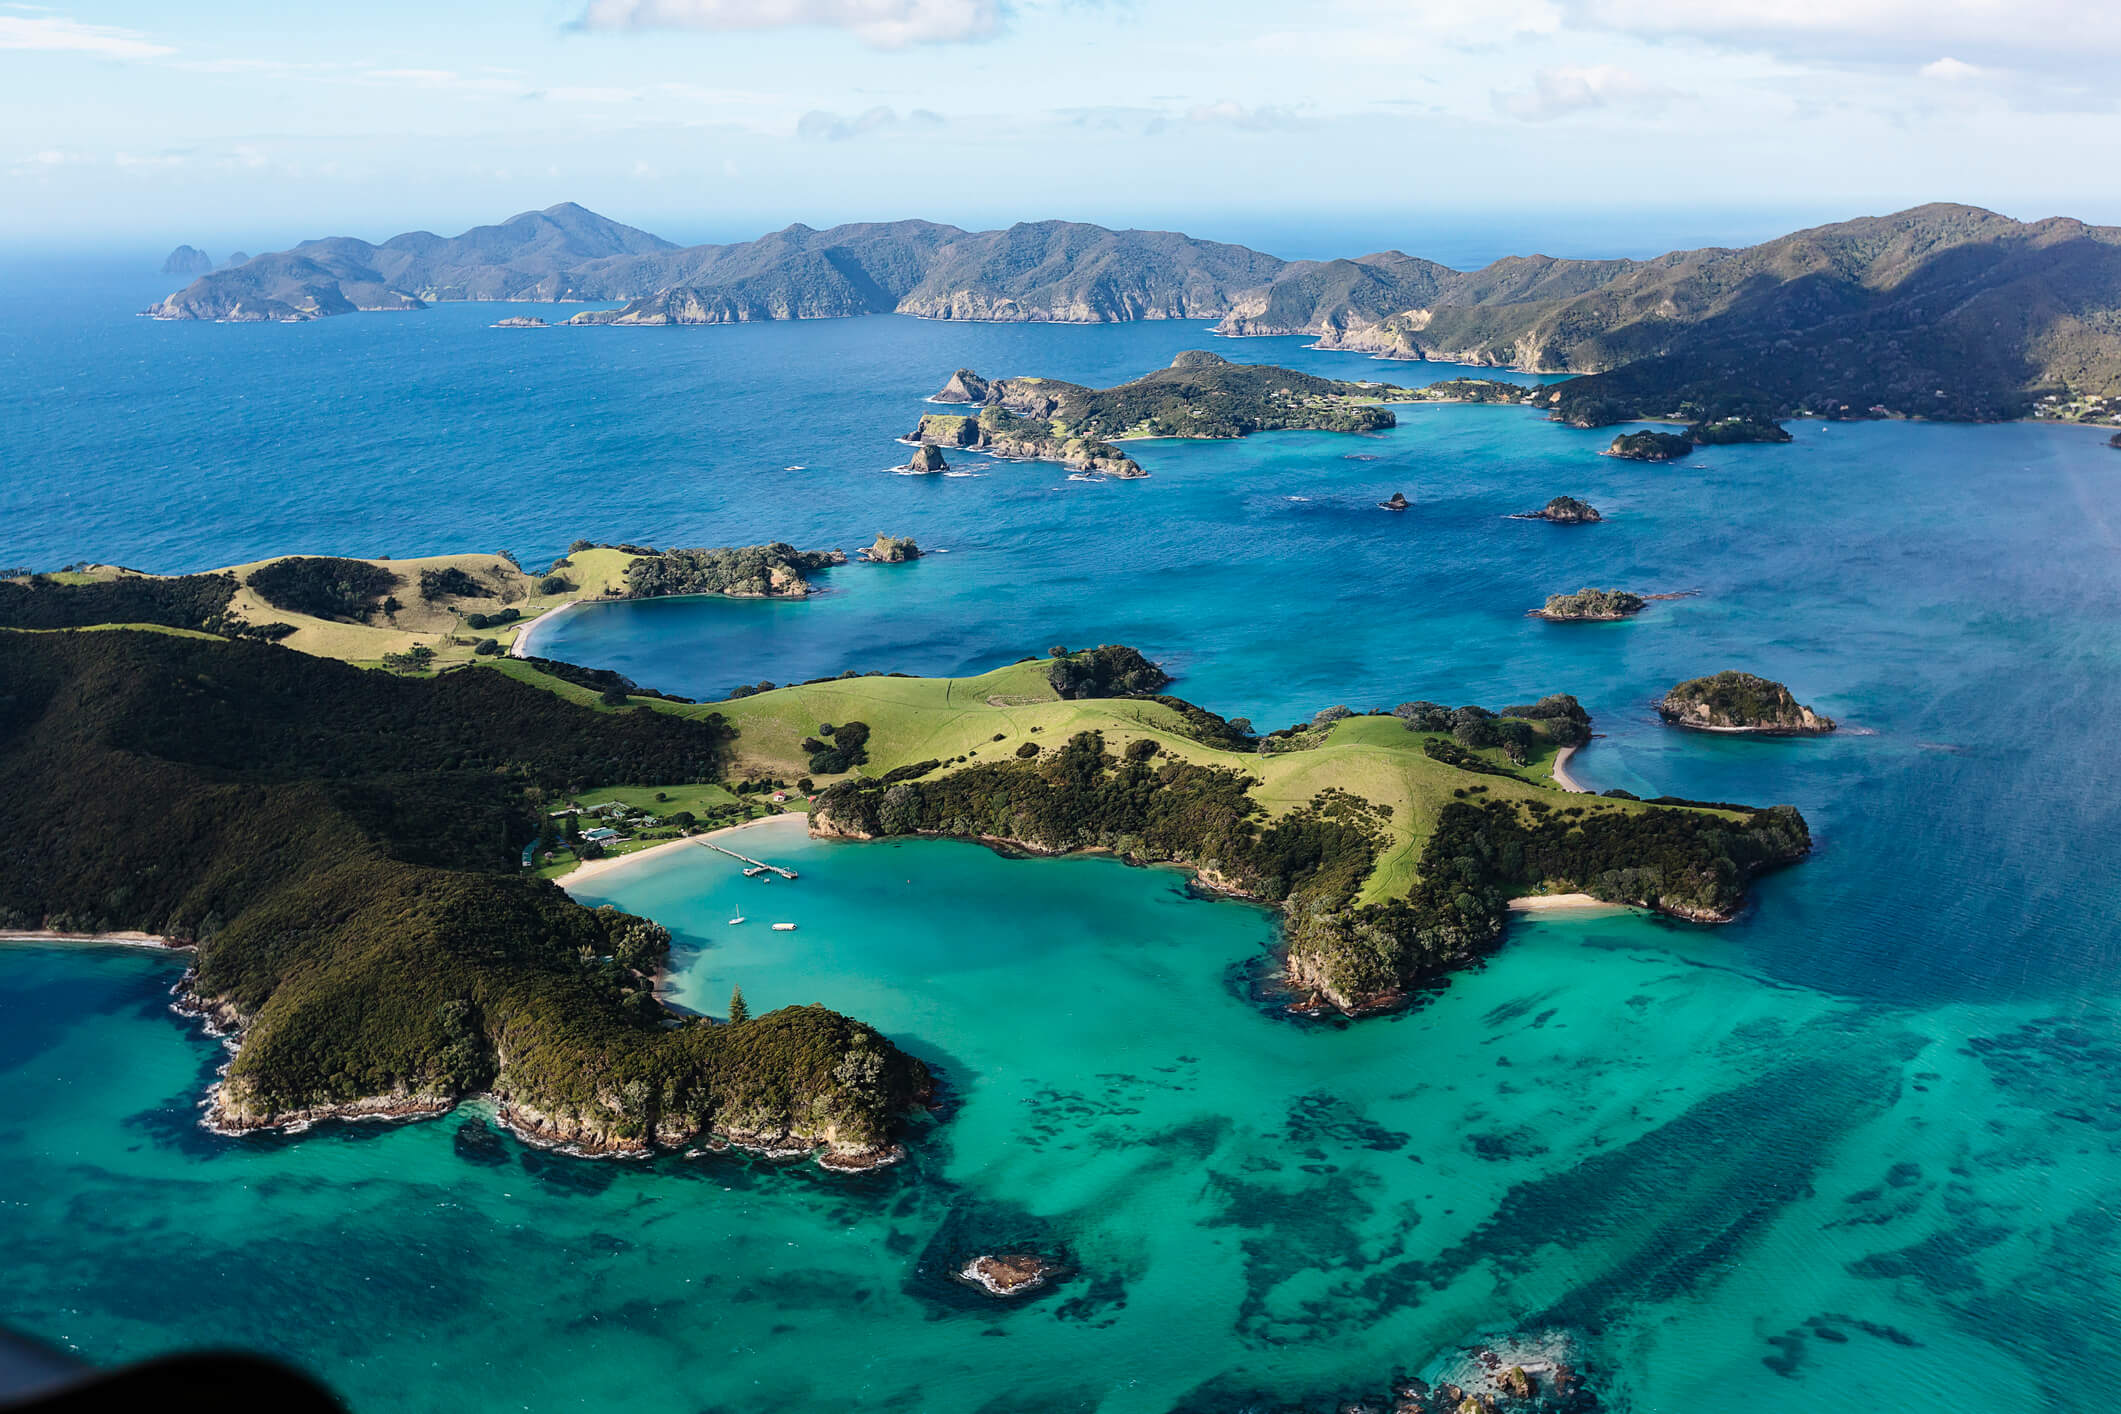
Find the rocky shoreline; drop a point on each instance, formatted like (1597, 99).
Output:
(227, 1112)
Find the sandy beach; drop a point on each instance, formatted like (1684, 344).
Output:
(521, 647)
(1562, 777)
(596, 868)
(121, 940)
(1564, 903)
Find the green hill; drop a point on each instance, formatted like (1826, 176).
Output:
(342, 847)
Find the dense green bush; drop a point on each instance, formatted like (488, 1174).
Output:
(1108, 670)
(196, 601)
(753, 571)
(451, 583)
(323, 587)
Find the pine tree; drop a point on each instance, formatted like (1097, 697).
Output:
(738, 1012)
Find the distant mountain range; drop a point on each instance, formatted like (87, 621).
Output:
(1941, 311)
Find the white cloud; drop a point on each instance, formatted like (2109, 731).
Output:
(1559, 92)
(1264, 118)
(55, 33)
(885, 24)
(1950, 70)
(820, 126)
(2035, 32)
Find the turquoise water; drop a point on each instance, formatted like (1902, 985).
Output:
(1858, 1146)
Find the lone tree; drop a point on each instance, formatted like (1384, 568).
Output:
(738, 1012)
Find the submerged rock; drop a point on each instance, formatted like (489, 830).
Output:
(1740, 702)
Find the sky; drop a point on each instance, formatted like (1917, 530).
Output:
(1307, 127)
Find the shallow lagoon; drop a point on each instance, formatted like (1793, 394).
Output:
(1859, 1145)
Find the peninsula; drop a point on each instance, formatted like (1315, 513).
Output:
(347, 878)
(1740, 702)
(1391, 842)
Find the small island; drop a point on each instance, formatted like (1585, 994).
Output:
(927, 459)
(519, 321)
(1397, 502)
(1007, 1274)
(1563, 510)
(1650, 446)
(1740, 702)
(1591, 606)
(891, 550)
(2114, 441)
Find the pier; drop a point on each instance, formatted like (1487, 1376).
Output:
(756, 866)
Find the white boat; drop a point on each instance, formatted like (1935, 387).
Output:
(736, 920)
(784, 927)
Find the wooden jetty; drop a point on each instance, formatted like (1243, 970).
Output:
(757, 866)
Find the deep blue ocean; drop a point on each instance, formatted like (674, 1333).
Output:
(1859, 1146)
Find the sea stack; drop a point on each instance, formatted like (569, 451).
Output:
(1740, 702)
(926, 458)
(964, 386)
(187, 260)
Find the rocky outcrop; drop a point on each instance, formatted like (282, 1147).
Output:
(1003, 434)
(2114, 441)
(964, 386)
(520, 321)
(1564, 510)
(927, 458)
(1397, 502)
(1007, 1274)
(1650, 446)
(1592, 606)
(891, 550)
(187, 260)
(1740, 702)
